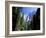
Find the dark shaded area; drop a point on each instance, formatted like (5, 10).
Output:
(36, 20)
(14, 18)
(15, 15)
(35, 23)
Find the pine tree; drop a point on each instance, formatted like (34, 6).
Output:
(15, 18)
(22, 22)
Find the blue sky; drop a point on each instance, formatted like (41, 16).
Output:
(28, 11)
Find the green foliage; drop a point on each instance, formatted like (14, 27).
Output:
(18, 21)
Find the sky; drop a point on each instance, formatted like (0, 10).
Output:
(28, 11)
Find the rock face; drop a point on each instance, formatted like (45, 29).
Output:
(36, 20)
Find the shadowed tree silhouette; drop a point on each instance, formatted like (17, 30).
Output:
(36, 20)
(15, 17)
